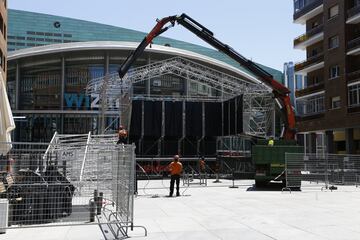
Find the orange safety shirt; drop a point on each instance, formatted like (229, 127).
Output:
(175, 168)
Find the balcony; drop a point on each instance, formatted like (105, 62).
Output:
(309, 38)
(353, 76)
(353, 15)
(311, 105)
(310, 89)
(311, 64)
(310, 10)
(353, 47)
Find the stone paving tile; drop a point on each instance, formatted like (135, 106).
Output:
(218, 212)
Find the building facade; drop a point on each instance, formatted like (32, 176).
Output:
(329, 105)
(52, 59)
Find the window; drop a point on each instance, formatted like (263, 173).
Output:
(298, 5)
(314, 52)
(333, 11)
(310, 105)
(335, 102)
(314, 24)
(334, 71)
(354, 93)
(334, 42)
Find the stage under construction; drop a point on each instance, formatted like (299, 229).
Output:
(162, 125)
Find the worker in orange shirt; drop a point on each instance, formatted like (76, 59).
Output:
(175, 169)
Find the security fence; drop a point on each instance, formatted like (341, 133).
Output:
(303, 170)
(69, 183)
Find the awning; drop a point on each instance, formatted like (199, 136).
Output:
(7, 123)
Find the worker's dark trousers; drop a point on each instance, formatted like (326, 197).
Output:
(172, 182)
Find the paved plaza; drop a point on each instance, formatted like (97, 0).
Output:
(220, 212)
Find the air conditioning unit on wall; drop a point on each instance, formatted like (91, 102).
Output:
(4, 213)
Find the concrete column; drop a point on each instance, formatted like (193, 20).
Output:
(17, 87)
(329, 141)
(349, 138)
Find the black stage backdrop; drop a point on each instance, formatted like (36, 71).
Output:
(193, 119)
(173, 118)
(232, 115)
(152, 118)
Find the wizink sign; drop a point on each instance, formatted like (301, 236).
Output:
(89, 102)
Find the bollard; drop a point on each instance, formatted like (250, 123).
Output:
(99, 202)
(92, 210)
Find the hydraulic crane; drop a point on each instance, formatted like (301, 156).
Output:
(280, 91)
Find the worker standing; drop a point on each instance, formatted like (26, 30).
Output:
(175, 169)
(202, 165)
(271, 142)
(122, 135)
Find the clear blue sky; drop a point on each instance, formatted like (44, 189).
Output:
(261, 30)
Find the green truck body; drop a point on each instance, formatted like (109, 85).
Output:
(269, 161)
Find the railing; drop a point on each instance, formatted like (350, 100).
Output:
(310, 106)
(314, 87)
(310, 61)
(309, 34)
(311, 6)
(353, 75)
(353, 11)
(355, 43)
(321, 170)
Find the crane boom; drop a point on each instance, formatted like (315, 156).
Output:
(280, 91)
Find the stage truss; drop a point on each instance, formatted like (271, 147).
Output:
(116, 94)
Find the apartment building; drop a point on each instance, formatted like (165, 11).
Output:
(329, 106)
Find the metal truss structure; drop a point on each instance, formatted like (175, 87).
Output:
(116, 94)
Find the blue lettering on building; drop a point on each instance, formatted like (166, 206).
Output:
(75, 100)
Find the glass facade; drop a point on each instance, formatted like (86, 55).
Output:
(52, 94)
(40, 86)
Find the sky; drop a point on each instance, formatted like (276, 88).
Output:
(260, 30)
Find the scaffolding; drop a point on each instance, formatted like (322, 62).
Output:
(116, 94)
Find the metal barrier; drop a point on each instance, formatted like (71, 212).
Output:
(303, 170)
(190, 176)
(47, 190)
